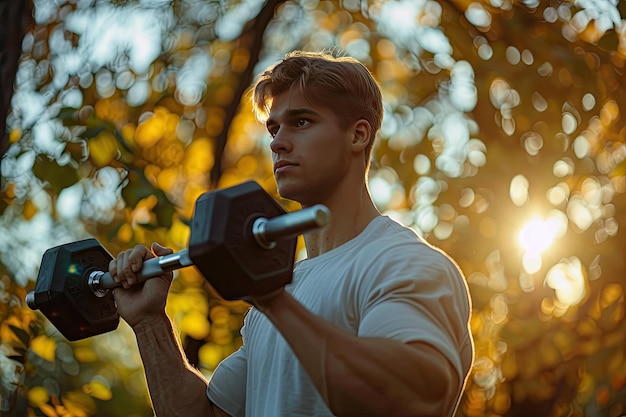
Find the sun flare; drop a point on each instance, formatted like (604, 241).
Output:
(538, 235)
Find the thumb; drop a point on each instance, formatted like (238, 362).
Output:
(159, 250)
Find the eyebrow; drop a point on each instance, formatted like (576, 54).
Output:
(291, 113)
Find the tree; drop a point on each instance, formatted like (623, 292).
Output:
(503, 143)
(15, 23)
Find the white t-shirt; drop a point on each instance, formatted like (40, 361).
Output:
(386, 282)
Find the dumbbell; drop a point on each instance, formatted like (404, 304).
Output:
(242, 241)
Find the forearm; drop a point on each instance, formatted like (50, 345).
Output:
(364, 376)
(176, 388)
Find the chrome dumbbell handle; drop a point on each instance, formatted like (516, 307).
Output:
(267, 232)
(101, 282)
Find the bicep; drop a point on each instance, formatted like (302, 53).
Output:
(426, 303)
(438, 336)
(440, 382)
(411, 323)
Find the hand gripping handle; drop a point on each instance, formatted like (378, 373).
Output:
(100, 282)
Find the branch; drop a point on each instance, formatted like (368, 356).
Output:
(255, 29)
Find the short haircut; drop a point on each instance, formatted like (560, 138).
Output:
(341, 83)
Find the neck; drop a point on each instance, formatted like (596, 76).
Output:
(351, 213)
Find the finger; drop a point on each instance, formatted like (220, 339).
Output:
(135, 261)
(139, 254)
(119, 266)
(160, 250)
(124, 271)
(129, 265)
(113, 269)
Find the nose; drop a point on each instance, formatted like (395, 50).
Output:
(280, 143)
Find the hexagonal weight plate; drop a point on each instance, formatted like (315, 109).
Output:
(62, 294)
(224, 249)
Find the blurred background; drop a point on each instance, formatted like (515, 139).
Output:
(503, 143)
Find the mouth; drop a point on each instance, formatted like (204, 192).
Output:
(281, 166)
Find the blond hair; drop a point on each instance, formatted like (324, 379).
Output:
(341, 83)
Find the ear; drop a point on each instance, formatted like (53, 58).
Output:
(361, 138)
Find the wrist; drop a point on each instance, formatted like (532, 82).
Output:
(151, 323)
(264, 302)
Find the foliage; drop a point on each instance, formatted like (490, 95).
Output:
(500, 116)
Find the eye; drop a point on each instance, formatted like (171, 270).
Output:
(272, 130)
(302, 122)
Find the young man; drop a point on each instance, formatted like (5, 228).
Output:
(375, 322)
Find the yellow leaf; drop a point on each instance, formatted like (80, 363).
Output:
(15, 135)
(78, 404)
(103, 148)
(168, 178)
(85, 354)
(199, 158)
(210, 355)
(220, 315)
(29, 210)
(61, 410)
(125, 234)
(9, 192)
(150, 131)
(195, 324)
(48, 410)
(44, 347)
(98, 390)
(6, 333)
(38, 396)
(221, 335)
(178, 233)
(128, 132)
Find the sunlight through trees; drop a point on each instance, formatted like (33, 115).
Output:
(503, 142)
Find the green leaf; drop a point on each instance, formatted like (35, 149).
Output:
(120, 139)
(609, 41)
(68, 116)
(164, 210)
(138, 187)
(92, 132)
(59, 177)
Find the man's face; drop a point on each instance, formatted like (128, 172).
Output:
(311, 152)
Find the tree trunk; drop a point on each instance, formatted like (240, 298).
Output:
(15, 19)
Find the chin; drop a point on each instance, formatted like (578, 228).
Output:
(288, 195)
(290, 191)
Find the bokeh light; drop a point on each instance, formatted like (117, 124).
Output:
(125, 112)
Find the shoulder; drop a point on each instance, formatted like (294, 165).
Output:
(397, 259)
(391, 241)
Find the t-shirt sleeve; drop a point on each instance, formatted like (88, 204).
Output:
(421, 299)
(227, 386)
